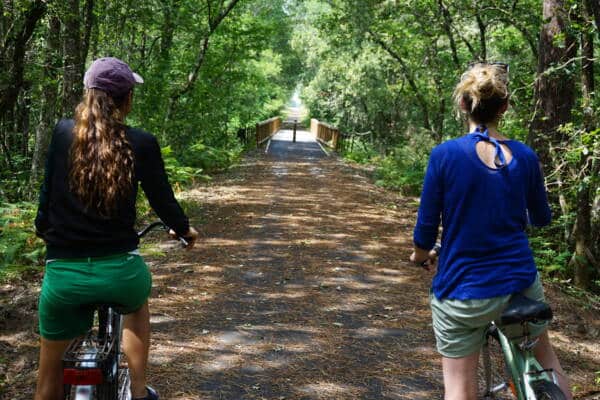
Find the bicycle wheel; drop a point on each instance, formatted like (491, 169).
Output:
(107, 390)
(80, 392)
(124, 384)
(494, 381)
(108, 337)
(546, 390)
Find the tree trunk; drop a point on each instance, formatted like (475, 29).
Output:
(90, 19)
(50, 91)
(583, 230)
(23, 128)
(170, 10)
(73, 67)
(12, 62)
(554, 87)
(448, 30)
(593, 8)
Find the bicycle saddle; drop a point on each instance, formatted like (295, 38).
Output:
(523, 309)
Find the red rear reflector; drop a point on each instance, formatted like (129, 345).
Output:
(88, 376)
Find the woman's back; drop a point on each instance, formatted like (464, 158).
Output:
(72, 229)
(484, 214)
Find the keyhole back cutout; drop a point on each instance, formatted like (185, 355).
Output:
(486, 152)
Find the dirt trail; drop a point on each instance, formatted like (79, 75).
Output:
(298, 289)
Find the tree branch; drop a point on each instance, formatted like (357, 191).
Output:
(448, 29)
(193, 76)
(482, 39)
(406, 72)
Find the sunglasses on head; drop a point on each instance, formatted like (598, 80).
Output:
(502, 65)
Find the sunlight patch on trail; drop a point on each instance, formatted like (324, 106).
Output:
(325, 390)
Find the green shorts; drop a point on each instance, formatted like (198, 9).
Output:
(459, 325)
(72, 288)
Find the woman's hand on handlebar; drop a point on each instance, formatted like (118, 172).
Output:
(425, 259)
(190, 237)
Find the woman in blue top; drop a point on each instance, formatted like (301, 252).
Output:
(484, 189)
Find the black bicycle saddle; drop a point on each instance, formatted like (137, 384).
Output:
(523, 309)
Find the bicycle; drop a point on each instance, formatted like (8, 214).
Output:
(92, 364)
(509, 364)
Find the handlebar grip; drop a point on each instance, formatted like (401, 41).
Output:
(436, 249)
(153, 225)
(184, 242)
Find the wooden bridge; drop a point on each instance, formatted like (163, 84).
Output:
(326, 136)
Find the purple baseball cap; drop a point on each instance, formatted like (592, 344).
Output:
(112, 76)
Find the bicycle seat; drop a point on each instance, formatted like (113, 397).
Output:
(523, 309)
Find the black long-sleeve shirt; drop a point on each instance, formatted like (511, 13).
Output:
(72, 231)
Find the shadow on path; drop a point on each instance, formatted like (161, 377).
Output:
(299, 291)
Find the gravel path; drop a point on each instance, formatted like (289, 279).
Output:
(299, 288)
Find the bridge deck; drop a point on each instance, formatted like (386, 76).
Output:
(306, 147)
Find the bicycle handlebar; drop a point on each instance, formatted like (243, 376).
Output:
(436, 249)
(161, 224)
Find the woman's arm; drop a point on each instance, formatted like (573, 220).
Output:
(430, 207)
(41, 220)
(537, 201)
(156, 185)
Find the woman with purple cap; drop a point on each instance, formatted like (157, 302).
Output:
(86, 216)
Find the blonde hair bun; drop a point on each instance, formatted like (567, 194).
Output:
(482, 90)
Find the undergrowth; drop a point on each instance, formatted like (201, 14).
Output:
(402, 168)
(22, 251)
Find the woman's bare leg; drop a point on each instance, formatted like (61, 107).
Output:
(460, 377)
(136, 342)
(50, 373)
(545, 354)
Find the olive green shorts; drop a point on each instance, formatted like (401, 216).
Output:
(72, 288)
(459, 325)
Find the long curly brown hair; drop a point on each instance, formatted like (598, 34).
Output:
(102, 161)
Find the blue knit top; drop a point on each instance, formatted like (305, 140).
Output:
(484, 212)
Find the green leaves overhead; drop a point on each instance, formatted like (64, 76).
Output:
(414, 52)
(211, 68)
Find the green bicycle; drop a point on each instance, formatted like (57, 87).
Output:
(509, 366)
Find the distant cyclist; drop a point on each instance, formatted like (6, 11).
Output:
(86, 216)
(485, 189)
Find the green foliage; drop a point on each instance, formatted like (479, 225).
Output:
(14, 183)
(177, 173)
(550, 257)
(578, 156)
(404, 167)
(19, 247)
(212, 159)
(361, 152)
(245, 74)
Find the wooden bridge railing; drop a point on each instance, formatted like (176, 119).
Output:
(266, 129)
(325, 133)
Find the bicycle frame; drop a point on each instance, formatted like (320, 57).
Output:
(522, 365)
(95, 359)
